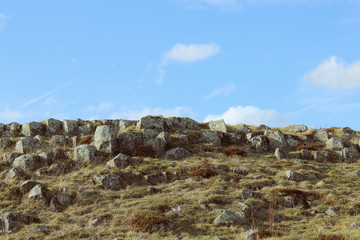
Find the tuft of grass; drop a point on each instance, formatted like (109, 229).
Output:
(329, 237)
(203, 169)
(146, 221)
(234, 151)
(86, 139)
(306, 147)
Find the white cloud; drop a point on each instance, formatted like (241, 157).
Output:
(220, 3)
(3, 19)
(248, 115)
(335, 74)
(190, 53)
(226, 90)
(10, 115)
(102, 107)
(137, 114)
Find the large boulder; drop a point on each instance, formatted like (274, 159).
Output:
(124, 124)
(177, 153)
(350, 154)
(14, 127)
(297, 177)
(276, 139)
(57, 140)
(70, 127)
(321, 135)
(298, 128)
(53, 126)
(32, 129)
(129, 141)
(84, 154)
(105, 138)
(27, 145)
(158, 143)
(40, 194)
(85, 130)
(218, 125)
(60, 202)
(27, 185)
(334, 143)
(28, 162)
(211, 137)
(10, 157)
(109, 181)
(120, 161)
(260, 143)
(230, 218)
(11, 222)
(151, 122)
(5, 143)
(321, 156)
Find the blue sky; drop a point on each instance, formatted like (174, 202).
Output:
(275, 62)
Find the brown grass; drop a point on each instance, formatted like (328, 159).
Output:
(145, 221)
(231, 152)
(306, 147)
(145, 151)
(329, 237)
(332, 129)
(203, 169)
(86, 139)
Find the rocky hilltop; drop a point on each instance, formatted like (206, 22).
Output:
(175, 178)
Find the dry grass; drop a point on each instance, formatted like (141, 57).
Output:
(203, 169)
(86, 139)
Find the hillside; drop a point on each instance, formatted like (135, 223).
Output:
(175, 178)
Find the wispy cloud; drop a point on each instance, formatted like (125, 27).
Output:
(219, 4)
(11, 115)
(226, 90)
(248, 115)
(102, 107)
(137, 114)
(37, 99)
(3, 19)
(335, 74)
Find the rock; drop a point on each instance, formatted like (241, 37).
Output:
(239, 171)
(332, 211)
(32, 129)
(27, 145)
(229, 218)
(323, 229)
(124, 124)
(357, 173)
(85, 130)
(355, 225)
(178, 123)
(9, 157)
(84, 154)
(235, 138)
(45, 158)
(57, 140)
(40, 194)
(246, 193)
(211, 137)
(150, 133)
(70, 127)
(279, 154)
(251, 234)
(120, 161)
(218, 125)
(321, 135)
(151, 122)
(14, 127)
(321, 155)
(350, 154)
(177, 153)
(5, 143)
(109, 181)
(14, 174)
(158, 143)
(55, 169)
(276, 139)
(42, 228)
(306, 154)
(152, 189)
(298, 128)
(99, 221)
(264, 127)
(260, 143)
(12, 222)
(60, 202)
(129, 141)
(334, 143)
(27, 185)
(28, 162)
(105, 138)
(297, 177)
(53, 127)
(245, 208)
(292, 142)
(8, 134)
(71, 141)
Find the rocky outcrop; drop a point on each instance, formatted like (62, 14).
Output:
(84, 154)
(105, 138)
(27, 145)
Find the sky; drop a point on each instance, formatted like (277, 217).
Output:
(273, 62)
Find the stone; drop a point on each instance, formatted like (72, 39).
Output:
(71, 141)
(218, 125)
(350, 154)
(8, 134)
(158, 143)
(230, 218)
(9, 157)
(292, 142)
(40, 194)
(129, 141)
(85, 130)
(32, 129)
(70, 127)
(151, 122)
(124, 124)
(179, 123)
(264, 127)
(235, 138)
(108, 181)
(334, 143)
(14, 174)
(355, 225)
(211, 137)
(42, 228)
(321, 155)
(239, 171)
(306, 154)
(276, 139)
(5, 143)
(357, 173)
(27, 145)
(53, 126)
(247, 193)
(12, 222)
(99, 221)
(120, 161)
(28, 162)
(321, 135)
(57, 141)
(45, 158)
(14, 127)
(55, 169)
(60, 202)
(105, 138)
(177, 153)
(84, 154)
(332, 211)
(298, 128)
(291, 175)
(27, 185)
(251, 234)
(260, 143)
(280, 154)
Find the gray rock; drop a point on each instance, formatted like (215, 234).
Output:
(306, 154)
(334, 143)
(57, 140)
(109, 181)
(230, 218)
(260, 143)
(321, 155)
(264, 127)
(60, 202)
(55, 169)
(251, 234)
(247, 193)
(357, 173)
(28, 162)
(84, 154)
(5, 143)
(158, 143)
(239, 171)
(40, 194)
(350, 154)
(245, 208)
(42, 228)
(53, 126)
(297, 177)
(177, 153)
(218, 125)
(129, 141)
(292, 142)
(14, 174)
(27, 185)
(321, 135)
(27, 145)
(9, 157)
(279, 153)
(178, 123)
(99, 221)
(150, 133)
(11, 222)
(105, 138)
(151, 122)
(298, 128)
(45, 158)
(323, 229)
(355, 225)
(276, 139)
(332, 211)
(32, 129)
(235, 138)
(211, 137)
(71, 141)
(70, 127)
(85, 130)
(124, 124)
(14, 127)
(8, 134)
(120, 161)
